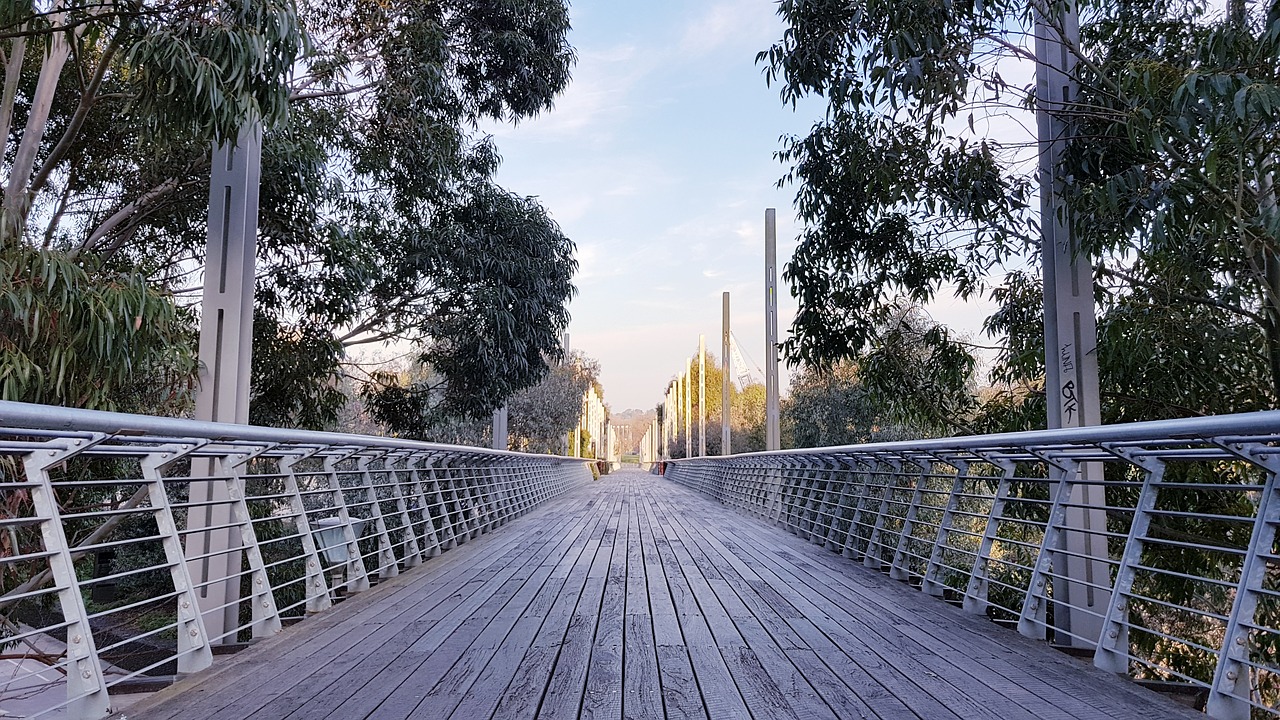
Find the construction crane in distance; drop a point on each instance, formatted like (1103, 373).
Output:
(740, 364)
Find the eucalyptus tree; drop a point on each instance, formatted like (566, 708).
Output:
(917, 183)
(379, 221)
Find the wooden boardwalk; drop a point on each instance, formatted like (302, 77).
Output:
(636, 598)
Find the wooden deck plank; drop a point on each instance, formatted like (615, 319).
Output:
(1005, 654)
(718, 693)
(908, 672)
(633, 597)
(516, 675)
(641, 684)
(272, 670)
(568, 679)
(603, 695)
(435, 687)
(430, 654)
(951, 636)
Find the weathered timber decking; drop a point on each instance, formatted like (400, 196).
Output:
(636, 598)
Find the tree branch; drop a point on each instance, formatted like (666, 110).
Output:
(1119, 275)
(17, 199)
(87, 100)
(301, 96)
(12, 73)
(120, 216)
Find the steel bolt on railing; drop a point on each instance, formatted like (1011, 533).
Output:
(1178, 580)
(132, 545)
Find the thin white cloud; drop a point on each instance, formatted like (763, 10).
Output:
(734, 22)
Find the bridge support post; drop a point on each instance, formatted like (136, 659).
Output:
(772, 433)
(702, 396)
(1070, 330)
(726, 386)
(226, 347)
(500, 439)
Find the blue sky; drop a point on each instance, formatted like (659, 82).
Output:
(658, 162)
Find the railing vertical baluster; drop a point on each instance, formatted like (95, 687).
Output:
(931, 584)
(1112, 652)
(900, 568)
(471, 474)
(439, 481)
(493, 473)
(1231, 686)
(388, 564)
(836, 473)
(874, 557)
(975, 594)
(194, 653)
(854, 536)
(317, 590)
(409, 537)
(265, 616)
(357, 577)
(1031, 620)
(773, 484)
(808, 500)
(726, 480)
(759, 475)
(86, 684)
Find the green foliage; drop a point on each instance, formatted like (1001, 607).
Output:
(746, 414)
(540, 417)
(835, 408)
(1170, 184)
(379, 221)
(204, 68)
(83, 338)
(896, 204)
(296, 383)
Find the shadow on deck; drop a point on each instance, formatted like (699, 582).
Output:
(633, 597)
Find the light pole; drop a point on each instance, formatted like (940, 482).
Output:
(725, 367)
(702, 395)
(772, 436)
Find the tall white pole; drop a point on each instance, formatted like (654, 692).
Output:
(1070, 330)
(500, 435)
(226, 351)
(702, 395)
(668, 422)
(688, 407)
(726, 387)
(772, 436)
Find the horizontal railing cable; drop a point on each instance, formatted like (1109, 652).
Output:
(133, 545)
(1151, 545)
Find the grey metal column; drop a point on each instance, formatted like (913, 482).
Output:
(772, 439)
(688, 407)
(226, 348)
(500, 428)
(726, 391)
(702, 396)
(1070, 328)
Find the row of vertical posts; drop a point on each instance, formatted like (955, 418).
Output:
(677, 403)
(594, 420)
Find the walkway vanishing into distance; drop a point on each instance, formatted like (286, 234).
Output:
(633, 597)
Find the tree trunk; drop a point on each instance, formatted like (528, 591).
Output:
(17, 197)
(12, 73)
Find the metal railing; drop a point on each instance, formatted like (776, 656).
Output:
(133, 546)
(1035, 530)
